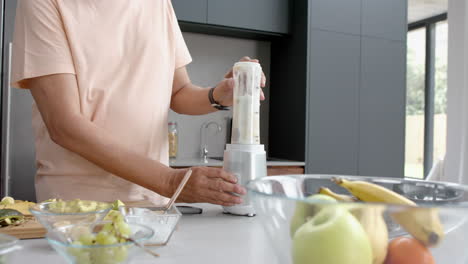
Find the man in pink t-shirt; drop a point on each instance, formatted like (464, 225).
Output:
(103, 75)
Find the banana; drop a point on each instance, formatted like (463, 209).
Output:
(371, 219)
(422, 223)
(338, 197)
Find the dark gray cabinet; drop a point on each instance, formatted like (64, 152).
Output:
(336, 15)
(355, 72)
(382, 107)
(263, 15)
(385, 19)
(191, 10)
(333, 100)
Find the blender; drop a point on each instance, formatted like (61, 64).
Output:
(245, 157)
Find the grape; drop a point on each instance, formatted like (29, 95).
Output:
(109, 228)
(120, 254)
(103, 256)
(87, 239)
(104, 238)
(111, 233)
(83, 257)
(123, 228)
(75, 251)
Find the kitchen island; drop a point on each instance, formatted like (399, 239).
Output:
(211, 237)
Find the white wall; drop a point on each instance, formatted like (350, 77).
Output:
(456, 160)
(212, 57)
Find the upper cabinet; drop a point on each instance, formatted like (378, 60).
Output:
(191, 10)
(385, 19)
(323, 15)
(262, 15)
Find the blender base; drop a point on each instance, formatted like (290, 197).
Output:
(246, 162)
(240, 210)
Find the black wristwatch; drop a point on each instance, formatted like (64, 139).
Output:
(214, 103)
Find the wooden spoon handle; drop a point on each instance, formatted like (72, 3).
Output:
(179, 189)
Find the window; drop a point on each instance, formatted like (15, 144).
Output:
(440, 96)
(414, 136)
(426, 96)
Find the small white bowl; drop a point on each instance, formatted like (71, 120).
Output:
(162, 222)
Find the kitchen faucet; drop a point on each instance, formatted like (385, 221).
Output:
(203, 145)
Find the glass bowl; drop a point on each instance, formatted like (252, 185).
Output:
(55, 214)
(162, 222)
(303, 229)
(8, 246)
(61, 240)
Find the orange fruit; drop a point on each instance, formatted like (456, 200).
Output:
(405, 250)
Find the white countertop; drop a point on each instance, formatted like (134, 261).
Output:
(211, 237)
(194, 162)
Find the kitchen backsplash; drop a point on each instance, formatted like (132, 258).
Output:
(212, 57)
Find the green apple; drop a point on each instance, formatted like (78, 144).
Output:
(305, 210)
(332, 236)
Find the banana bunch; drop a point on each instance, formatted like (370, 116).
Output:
(371, 219)
(422, 223)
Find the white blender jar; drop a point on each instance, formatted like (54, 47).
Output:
(245, 157)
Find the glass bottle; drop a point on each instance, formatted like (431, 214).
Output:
(173, 140)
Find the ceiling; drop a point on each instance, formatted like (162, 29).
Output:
(421, 9)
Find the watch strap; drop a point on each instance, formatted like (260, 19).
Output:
(214, 103)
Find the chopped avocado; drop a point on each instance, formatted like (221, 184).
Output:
(10, 217)
(113, 215)
(22, 207)
(77, 206)
(86, 206)
(7, 200)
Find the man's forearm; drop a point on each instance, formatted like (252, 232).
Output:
(192, 100)
(98, 146)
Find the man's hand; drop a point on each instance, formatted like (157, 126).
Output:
(209, 185)
(223, 92)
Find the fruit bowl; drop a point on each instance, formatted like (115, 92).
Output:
(331, 219)
(64, 240)
(61, 213)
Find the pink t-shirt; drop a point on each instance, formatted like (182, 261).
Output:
(123, 54)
